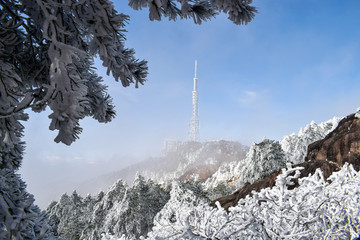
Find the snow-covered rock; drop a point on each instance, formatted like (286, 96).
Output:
(295, 145)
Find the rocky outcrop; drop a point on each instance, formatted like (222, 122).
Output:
(341, 145)
(269, 181)
(329, 154)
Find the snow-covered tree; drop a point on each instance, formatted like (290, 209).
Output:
(143, 201)
(317, 209)
(240, 12)
(295, 145)
(170, 221)
(19, 217)
(67, 217)
(107, 204)
(220, 190)
(122, 210)
(262, 159)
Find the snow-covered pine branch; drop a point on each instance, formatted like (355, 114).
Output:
(49, 46)
(239, 11)
(19, 217)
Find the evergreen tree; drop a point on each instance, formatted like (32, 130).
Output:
(295, 145)
(174, 221)
(220, 190)
(196, 187)
(140, 205)
(122, 210)
(107, 212)
(263, 159)
(67, 216)
(19, 217)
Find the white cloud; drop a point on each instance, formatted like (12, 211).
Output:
(251, 94)
(248, 98)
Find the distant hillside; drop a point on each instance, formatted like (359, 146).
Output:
(181, 160)
(195, 160)
(213, 162)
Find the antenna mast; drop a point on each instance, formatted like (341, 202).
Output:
(194, 122)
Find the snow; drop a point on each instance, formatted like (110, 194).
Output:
(310, 211)
(262, 159)
(317, 209)
(295, 145)
(294, 148)
(357, 114)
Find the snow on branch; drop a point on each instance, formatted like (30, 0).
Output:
(239, 11)
(48, 47)
(316, 209)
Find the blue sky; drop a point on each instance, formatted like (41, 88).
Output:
(297, 61)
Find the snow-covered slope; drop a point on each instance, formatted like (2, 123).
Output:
(181, 160)
(195, 160)
(257, 164)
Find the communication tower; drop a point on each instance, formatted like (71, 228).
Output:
(194, 122)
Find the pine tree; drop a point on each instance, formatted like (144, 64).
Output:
(182, 215)
(122, 210)
(19, 217)
(140, 205)
(67, 216)
(263, 159)
(240, 12)
(107, 211)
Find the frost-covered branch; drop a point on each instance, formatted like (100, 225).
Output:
(309, 211)
(50, 45)
(239, 11)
